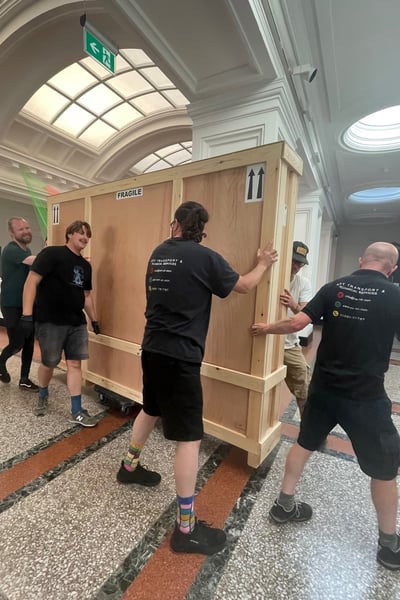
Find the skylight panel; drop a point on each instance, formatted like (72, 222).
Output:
(176, 97)
(122, 116)
(377, 132)
(74, 119)
(179, 157)
(73, 80)
(376, 195)
(97, 134)
(157, 77)
(99, 99)
(130, 84)
(85, 92)
(137, 57)
(168, 150)
(160, 164)
(151, 103)
(95, 67)
(46, 104)
(145, 163)
(168, 156)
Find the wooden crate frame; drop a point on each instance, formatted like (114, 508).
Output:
(241, 375)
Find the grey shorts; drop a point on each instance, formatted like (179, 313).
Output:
(54, 339)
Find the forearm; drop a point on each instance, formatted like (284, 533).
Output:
(298, 308)
(29, 295)
(89, 308)
(250, 280)
(281, 327)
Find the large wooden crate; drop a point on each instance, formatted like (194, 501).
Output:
(251, 198)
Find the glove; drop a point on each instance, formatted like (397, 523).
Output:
(96, 327)
(27, 325)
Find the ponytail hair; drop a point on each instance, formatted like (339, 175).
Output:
(192, 217)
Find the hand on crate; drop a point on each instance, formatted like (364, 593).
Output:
(267, 256)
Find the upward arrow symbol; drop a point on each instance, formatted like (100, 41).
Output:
(94, 47)
(250, 188)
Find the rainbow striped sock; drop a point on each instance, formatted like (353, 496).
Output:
(185, 514)
(132, 458)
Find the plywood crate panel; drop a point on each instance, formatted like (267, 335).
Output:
(251, 198)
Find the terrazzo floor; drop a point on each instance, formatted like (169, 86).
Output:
(69, 531)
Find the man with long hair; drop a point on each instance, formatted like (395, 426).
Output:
(182, 276)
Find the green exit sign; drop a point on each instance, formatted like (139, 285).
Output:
(99, 51)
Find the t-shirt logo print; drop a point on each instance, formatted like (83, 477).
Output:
(78, 278)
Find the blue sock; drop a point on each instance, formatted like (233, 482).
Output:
(43, 392)
(76, 404)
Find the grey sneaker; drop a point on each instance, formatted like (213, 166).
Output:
(83, 418)
(300, 512)
(42, 404)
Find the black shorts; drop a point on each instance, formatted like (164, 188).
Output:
(367, 422)
(172, 391)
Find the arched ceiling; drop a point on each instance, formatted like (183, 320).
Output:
(210, 50)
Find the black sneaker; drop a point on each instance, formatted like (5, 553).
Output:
(27, 384)
(139, 475)
(389, 558)
(203, 539)
(4, 374)
(301, 512)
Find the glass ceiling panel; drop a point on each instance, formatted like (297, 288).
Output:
(169, 156)
(179, 157)
(160, 164)
(151, 103)
(130, 84)
(74, 119)
(72, 80)
(168, 150)
(90, 104)
(97, 134)
(137, 57)
(176, 97)
(121, 116)
(99, 99)
(46, 104)
(377, 132)
(157, 77)
(376, 195)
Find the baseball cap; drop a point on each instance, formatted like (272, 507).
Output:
(300, 252)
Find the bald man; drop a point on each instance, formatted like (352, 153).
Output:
(361, 314)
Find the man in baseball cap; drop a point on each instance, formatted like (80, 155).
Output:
(300, 252)
(295, 299)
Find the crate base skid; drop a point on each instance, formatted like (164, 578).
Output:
(114, 401)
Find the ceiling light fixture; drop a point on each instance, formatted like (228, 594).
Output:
(307, 72)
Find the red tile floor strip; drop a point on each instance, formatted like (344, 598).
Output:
(213, 504)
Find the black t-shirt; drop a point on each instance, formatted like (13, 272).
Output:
(14, 273)
(60, 295)
(361, 314)
(181, 277)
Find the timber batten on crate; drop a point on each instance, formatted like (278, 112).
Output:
(250, 196)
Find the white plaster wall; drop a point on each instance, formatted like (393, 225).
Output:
(353, 240)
